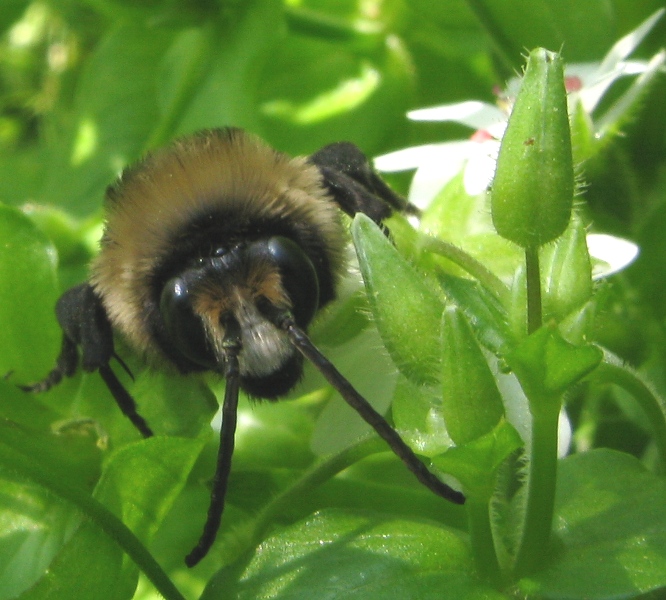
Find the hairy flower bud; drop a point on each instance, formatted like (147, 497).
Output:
(532, 193)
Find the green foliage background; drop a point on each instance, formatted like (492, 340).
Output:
(87, 87)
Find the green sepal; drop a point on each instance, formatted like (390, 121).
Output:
(406, 309)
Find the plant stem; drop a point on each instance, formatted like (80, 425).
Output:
(542, 477)
(96, 512)
(533, 279)
(466, 262)
(313, 477)
(611, 370)
(483, 545)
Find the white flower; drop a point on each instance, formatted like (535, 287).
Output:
(437, 164)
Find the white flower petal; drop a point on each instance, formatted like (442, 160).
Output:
(596, 84)
(480, 168)
(407, 158)
(431, 177)
(475, 114)
(609, 254)
(416, 156)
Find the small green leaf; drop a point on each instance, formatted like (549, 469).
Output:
(418, 418)
(532, 192)
(475, 464)
(471, 402)
(485, 313)
(407, 311)
(546, 364)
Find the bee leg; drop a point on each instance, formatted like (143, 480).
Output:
(66, 364)
(85, 325)
(355, 185)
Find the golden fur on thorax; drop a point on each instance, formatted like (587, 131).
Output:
(156, 200)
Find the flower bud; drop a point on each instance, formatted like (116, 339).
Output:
(532, 192)
(471, 403)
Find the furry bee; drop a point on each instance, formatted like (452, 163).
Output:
(217, 253)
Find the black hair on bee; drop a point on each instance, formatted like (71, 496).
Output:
(217, 253)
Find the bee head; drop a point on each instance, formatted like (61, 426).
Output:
(234, 292)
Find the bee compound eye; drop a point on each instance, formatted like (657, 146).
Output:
(184, 327)
(298, 275)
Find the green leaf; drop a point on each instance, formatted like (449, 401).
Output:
(566, 272)
(418, 418)
(226, 93)
(466, 221)
(475, 464)
(177, 405)
(28, 293)
(339, 425)
(610, 531)
(360, 555)
(11, 11)
(532, 23)
(407, 311)
(484, 312)
(35, 523)
(315, 91)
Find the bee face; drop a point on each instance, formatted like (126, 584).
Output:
(242, 287)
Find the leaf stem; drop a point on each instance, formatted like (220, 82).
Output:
(533, 280)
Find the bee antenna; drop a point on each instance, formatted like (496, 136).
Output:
(232, 345)
(305, 346)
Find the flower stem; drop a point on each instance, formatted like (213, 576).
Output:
(533, 279)
(541, 484)
(611, 370)
(466, 262)
(313, 477)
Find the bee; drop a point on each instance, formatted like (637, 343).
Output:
(217, 253)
